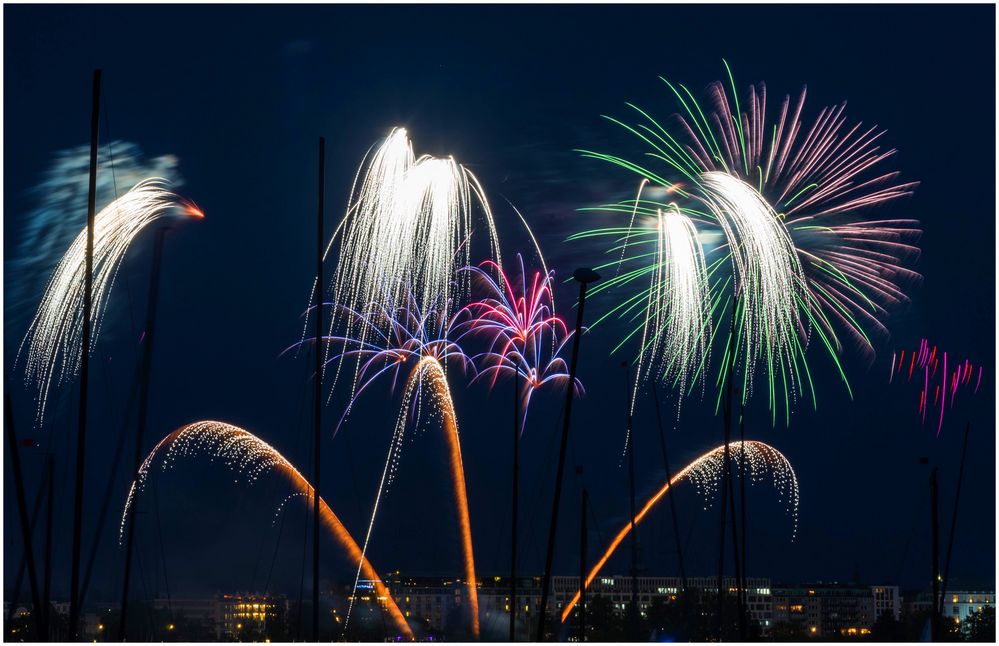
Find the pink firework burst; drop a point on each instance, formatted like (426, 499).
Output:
(941, 377)
(525, 336)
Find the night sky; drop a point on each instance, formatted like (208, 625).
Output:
(240, 95)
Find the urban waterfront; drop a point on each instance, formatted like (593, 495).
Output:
(668, 611)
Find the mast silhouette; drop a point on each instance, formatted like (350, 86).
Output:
(81, 434)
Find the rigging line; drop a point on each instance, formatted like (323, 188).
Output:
(272, 487)
(305, 544)
(105, 116)
(303, 438)
(159, 534)
(142, 575)
(110, 404)
(596, 525)
(21, 568)
(277, 544)
(108, 491)
(107, 135)
(538, 504)
(353, 475)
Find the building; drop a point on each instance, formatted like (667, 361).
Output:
(494, 607)
(666, 588)
(887, 601)
(194, 618)
(828, 610)
(959, 604)
(440, 604)
(238, 615)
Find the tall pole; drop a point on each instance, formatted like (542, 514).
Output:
(669, 478)
(22, 510)
(935, 554)
(743, 635)
(515, 504)
(144, 378)
(109, 488)
(727, 413)
(15, 596)
(584, 277)
(742, 511)
(953, 520)
(81, 435)
(582, 566)
(320, 234)
(49, 509)
(633, 611)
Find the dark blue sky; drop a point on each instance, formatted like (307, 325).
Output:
(240, 96)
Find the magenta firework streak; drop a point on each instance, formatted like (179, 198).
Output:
(939, 374)
(526, 337)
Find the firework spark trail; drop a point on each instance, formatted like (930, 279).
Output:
(251, 457)
(727, 164)
(408, 226)
(54, 338)
(429, 372)
(525, 335)
(386, 339)
(418, 336)
(706, 473)
(925, 363)
(677, 323)
(676, 328)
(769, 277)
(46, 232)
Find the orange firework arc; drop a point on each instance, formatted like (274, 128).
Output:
(707, 469)
(439, 379)
(248, 454)
(429, 371)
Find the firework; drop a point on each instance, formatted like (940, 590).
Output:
(408, 226)
(385, 340)
(46, 231)
(54, 338)
(788, 200)
(674, 310)
(391, 340)
(706, 474)
(249, 456)
(428, 376)
(935, 374)
(525, 336)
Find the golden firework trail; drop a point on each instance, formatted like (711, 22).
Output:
(706, 474)
(54, 338)
(251, 457)
(430, 373)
